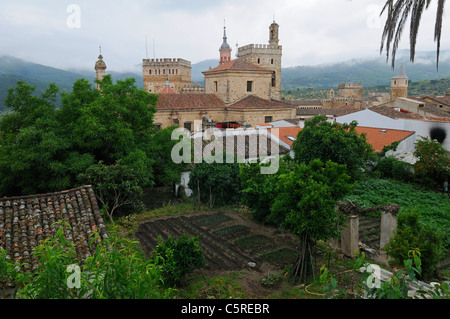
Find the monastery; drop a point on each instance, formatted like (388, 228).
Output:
(246, 91)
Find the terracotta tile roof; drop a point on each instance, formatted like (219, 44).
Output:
(284, 133)
(189, 101)
(334, 112)
(379, 137)
(250, 150)
(440, 116)
(256, 102)
(237, 65)
(445, 100)
(315, 102)
(167, 90)
(27, 221)
(390, 112)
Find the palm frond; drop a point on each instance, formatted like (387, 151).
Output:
(398, 12)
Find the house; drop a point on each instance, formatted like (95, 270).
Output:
(384, 116)
(377, 137)
(27, 221)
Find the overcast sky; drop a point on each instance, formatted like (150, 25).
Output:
(67, 34)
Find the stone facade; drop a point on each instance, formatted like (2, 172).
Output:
(157, 71)
(237, 79)
(184, 109)
(350, 90)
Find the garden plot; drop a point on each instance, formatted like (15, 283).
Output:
(228, 240)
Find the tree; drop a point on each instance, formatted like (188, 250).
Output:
(116, 186)
(397, 16)
(31, 151)
(340, 143)
(218, 183)
(433, 162)
(305, 204)
(99, 134)
(165, 170)
(259, 190)
(411, 234)
(300, 198)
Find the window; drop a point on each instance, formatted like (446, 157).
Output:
(158, 126)
(249, 86)
(188, 126)
(150, 72)
(271, 61)
(273, 79)
(215, 86)
(290, 138)
(164, 71)
(259, 60)
(267, 119)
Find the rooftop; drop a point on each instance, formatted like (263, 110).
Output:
(377, 137)
(27, 221)
(189, 101)
(237, 65)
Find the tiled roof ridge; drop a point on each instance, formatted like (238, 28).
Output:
(237, 65)
(44, 194)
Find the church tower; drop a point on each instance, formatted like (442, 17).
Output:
(100, 69)
(267, 56)
(399, 84)
(225, 49)
(273, 34)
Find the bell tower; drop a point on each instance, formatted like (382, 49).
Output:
(100, 68)
(225, 49)
(399, 84)
(273, 34)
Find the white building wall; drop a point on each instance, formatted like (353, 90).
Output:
(421, 127)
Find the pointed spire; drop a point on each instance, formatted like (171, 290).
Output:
(225, 49)
(401, 73)
(225, 45)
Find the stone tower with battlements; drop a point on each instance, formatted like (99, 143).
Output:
(399, 84)
(267, 56)
(157, 71)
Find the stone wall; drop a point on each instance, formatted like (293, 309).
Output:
(157, 71)
(232, 86)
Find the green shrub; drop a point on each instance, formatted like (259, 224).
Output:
(117, 269)
(178, 257)
(412, 235)
(390, 167)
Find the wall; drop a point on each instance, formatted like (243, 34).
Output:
(178, 71)
(232, 86)
(165, 118)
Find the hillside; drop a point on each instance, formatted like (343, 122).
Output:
(370, 72)
(13, 69)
